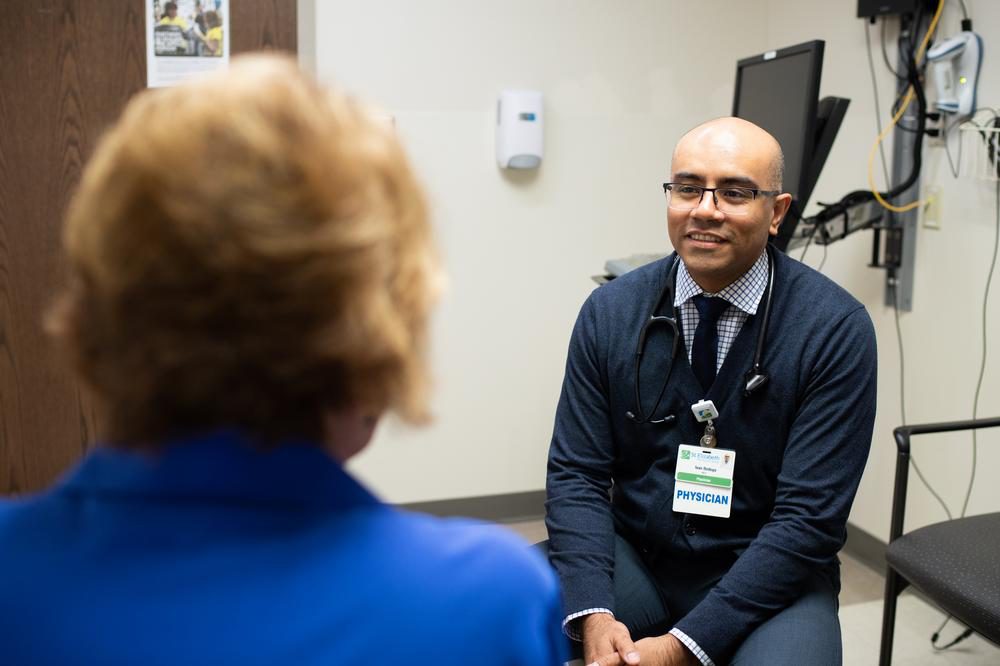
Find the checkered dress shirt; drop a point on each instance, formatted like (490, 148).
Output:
(744, 295)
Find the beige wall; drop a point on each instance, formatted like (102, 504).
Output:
(520, 248)
(622, 81)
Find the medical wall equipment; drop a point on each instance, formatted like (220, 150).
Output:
(956, 63)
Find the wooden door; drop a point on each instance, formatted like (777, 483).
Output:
(67, 68)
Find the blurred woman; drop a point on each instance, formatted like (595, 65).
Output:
(252, 272)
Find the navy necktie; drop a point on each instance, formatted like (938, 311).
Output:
(706, 338)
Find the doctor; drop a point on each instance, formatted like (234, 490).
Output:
(715, 418)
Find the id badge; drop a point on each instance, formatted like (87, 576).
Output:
(703, 481)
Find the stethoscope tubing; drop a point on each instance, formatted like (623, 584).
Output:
(755, 378)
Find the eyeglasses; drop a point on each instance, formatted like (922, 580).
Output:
(729, 200)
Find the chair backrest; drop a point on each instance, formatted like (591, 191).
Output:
(902, 435)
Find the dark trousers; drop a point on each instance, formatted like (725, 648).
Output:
(648, 603)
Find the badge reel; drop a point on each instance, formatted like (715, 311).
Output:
(705, 412)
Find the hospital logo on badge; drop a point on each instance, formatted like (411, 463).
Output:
(685, 455)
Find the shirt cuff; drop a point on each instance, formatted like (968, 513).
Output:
(691, 645)
(571, 629)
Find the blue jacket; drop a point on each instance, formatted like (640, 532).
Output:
(215, 553)
(801, 444)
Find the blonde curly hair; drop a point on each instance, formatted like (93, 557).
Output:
(247, 250)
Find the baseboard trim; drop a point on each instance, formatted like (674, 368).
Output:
(866, 548)
(506, 508)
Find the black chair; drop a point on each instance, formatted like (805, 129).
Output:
(954, 564)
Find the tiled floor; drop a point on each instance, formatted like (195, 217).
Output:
(861, 619)
(861, 624)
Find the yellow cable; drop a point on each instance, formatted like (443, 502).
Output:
(895, 119)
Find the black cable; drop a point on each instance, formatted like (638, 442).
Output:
(918, 89)
(878, 110)
(900, 96)
(858, 197)
(885, 54)
(937, 632)
(809, 240)
(918, 143)
(821, 229)
(958, 639)
(823, 260)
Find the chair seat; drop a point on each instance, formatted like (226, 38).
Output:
(957, 565)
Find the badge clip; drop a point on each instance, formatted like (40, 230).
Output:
(704, 410)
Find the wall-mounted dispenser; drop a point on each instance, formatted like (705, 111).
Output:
(519, 129)
(956, 64)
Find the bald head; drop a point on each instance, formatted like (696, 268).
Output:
(737, 137)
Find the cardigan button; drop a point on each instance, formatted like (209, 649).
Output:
(690, 530)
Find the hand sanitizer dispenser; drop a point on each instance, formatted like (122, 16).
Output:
(519, 129)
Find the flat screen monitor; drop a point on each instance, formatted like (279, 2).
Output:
(779, 91)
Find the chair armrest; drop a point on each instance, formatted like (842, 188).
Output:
(902, 434)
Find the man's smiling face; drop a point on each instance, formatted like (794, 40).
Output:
(718, 248)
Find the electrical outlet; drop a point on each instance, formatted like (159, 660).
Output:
(931, 210)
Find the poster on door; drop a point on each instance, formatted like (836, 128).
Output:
(185, 38)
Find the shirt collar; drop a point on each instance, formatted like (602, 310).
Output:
(223, 466)
(745, 292)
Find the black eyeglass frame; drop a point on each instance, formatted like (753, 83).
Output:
(756, 192)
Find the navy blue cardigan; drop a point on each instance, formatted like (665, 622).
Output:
(801, 441)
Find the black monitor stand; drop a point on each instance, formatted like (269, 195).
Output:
(829, 116)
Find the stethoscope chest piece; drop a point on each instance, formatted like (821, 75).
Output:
(754, 380)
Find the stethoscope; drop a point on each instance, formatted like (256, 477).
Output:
(754, 378)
